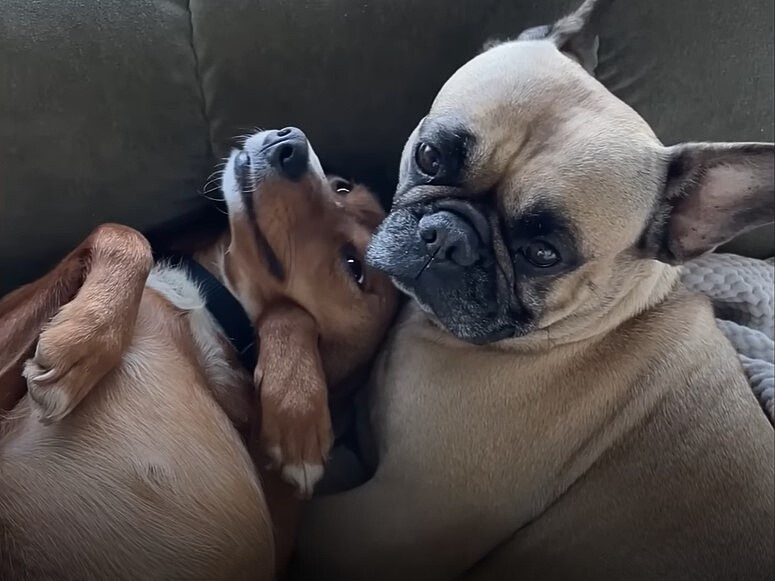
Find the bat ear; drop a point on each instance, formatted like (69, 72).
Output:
(713, 192)
(574, 35)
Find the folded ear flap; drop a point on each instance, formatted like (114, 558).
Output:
(713, 192)
(574, 34)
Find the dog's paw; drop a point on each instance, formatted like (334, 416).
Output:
(74, 352)
(303, 476)
(297, 437)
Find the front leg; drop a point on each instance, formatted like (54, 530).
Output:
(295, 422)
(294, 431)
(93, 296)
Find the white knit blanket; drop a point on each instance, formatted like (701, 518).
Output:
(741, 290)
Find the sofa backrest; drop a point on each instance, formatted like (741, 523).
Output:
(117, 111)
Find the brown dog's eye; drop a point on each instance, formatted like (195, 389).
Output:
(428, 159)
(341, 186)
(541, 254)
(353, 265)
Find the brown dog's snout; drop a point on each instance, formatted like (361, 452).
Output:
(287, 151)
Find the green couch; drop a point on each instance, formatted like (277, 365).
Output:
(118, 110)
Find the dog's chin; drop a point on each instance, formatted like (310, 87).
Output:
(465, 331)
(466, 318)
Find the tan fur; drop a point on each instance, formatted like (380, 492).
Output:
(619, 438)
(127, 458)
(145, 479)
(476, 444)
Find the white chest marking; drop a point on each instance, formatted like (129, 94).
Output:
(174, 284)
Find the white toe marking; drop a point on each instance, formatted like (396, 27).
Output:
(304, 476)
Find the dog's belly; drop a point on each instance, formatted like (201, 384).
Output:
(146, 479)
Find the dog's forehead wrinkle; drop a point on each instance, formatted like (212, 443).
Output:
(539, 80)
(589, 167)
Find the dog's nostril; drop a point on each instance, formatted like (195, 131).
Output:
(428, 235)
(285, 153)
(284, 132)
(449, 239)
(290, 156)
(451, 252)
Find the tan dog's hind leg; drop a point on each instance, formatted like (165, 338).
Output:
(295, 422)
(93, 295)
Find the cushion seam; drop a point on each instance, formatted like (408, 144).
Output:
(203, 106)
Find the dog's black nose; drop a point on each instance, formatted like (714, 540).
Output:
(449, 238)
(287, 150)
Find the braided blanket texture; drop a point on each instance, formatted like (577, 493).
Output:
(741, 290)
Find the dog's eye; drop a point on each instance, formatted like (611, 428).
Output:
(428, 159)
(353, 265)
(541, 254)
(341, 186)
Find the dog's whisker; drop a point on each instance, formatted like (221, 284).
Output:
(212, 185)
(215, 177)
(427, 262)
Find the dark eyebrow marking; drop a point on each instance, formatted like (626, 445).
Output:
(537, 221)
(541, 221)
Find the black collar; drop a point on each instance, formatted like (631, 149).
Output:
(223, 306)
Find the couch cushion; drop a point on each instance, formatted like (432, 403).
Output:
(100, 120)
(116, 110)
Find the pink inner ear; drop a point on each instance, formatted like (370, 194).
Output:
(706, 217)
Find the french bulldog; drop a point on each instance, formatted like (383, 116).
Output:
(552, 404)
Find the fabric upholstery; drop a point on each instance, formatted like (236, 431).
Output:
(117, 111)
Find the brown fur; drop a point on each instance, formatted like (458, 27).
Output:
(122, 461)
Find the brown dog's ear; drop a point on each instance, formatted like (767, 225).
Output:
(574, 34)
(713, 192)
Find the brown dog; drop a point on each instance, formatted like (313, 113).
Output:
(119, 457)
(553, 405)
